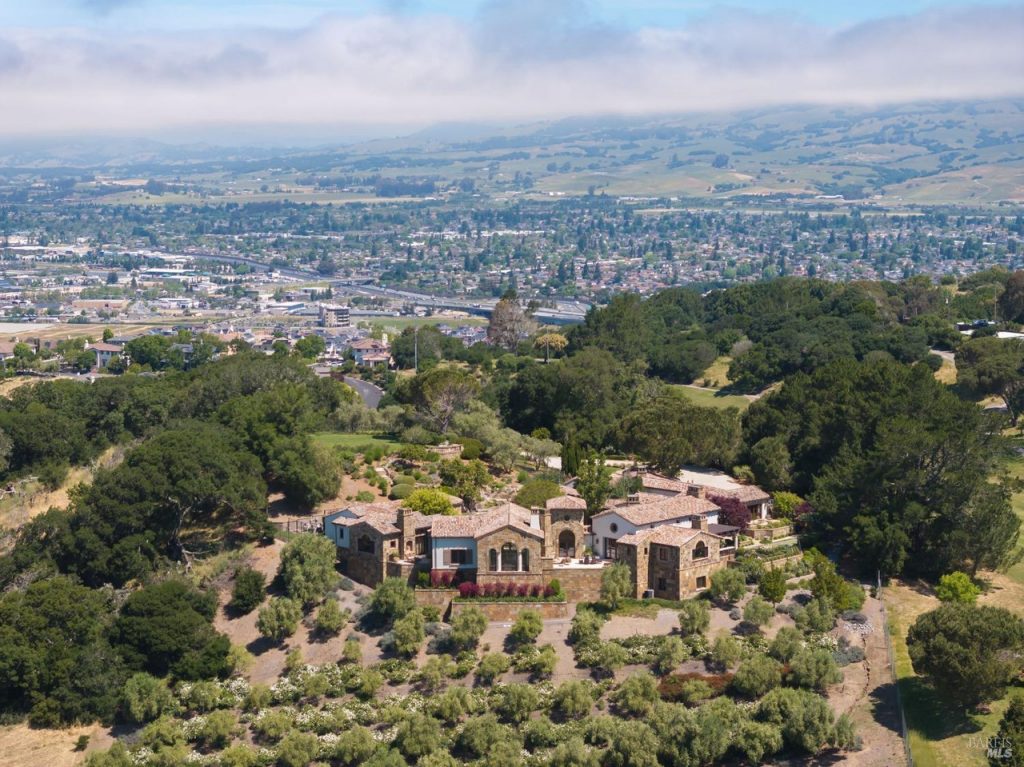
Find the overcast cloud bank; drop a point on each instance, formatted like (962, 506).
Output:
(517, 60)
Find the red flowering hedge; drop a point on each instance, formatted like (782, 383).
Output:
(510, 591)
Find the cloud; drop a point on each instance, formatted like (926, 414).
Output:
(516, 60)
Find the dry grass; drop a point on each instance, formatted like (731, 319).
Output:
(717, 374)
(947, 373)
(32, 500)
(21, 746)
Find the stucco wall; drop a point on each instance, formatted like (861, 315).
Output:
(439, 545)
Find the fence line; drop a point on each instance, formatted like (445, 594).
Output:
(895, 677)
(312, 525)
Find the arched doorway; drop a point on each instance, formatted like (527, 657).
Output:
(509, 558)
(567, 544)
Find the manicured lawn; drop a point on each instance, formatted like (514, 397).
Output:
(357, 442)
(710, 398)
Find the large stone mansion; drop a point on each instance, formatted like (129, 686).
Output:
(668, 533)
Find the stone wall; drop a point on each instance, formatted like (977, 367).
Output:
(770, 533)
(781, 562)
(580, 584)
(507, 612)
(364, 568)
(439, 598)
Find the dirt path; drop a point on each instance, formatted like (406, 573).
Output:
(868, 695)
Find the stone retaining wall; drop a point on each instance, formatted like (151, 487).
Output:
(506, 612)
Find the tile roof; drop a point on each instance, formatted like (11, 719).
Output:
(663, 510)
(666, 535)
(565, 502)
(745, 493)
(382, 517)
(480, 523)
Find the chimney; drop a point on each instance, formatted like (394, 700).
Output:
(407, 539)
(633, 498)
(703, 523)
(695, 491)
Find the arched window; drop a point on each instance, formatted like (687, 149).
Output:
(700, 551)
(365, 544)
(614, 527)
(566, 544)
(525, 554)
(492, 560)
(509, 558)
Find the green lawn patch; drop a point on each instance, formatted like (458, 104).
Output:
(356, 442)
(711, 398)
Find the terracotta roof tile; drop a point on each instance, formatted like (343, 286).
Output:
(480, 523)
(663, 510)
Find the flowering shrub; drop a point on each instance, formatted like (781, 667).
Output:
(510, 591)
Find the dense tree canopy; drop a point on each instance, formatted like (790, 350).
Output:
(895, 464)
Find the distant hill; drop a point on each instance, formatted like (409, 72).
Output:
(913, 154)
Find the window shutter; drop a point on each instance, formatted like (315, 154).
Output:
(447, 558)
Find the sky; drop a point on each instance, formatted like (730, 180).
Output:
(248, 68)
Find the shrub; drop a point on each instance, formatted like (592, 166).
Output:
(785, 504)
(355, 746)
(401, 492)
(728, 585)
(408, 634)
(957, 587)
(694, 617)
(637, 695)
(515, 702)
(417, 735)
(249, 590)
(725, 652)
(144, 698)
(814, 668)
(757, 675)
(329, 618)
(491, 667)
(670, 654)
(279, 618)
(429, 501)
(616, 584)
(537, 492)
(472, 449)
(758, 612)
(817, 616)
(352, 652)
(787, 643)
(307, 567)
(392, 599)
(573, 699)
(772, 585)
(297, 749)
(527, 627)
(586, 626)
(467, 628)
(674, 687)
